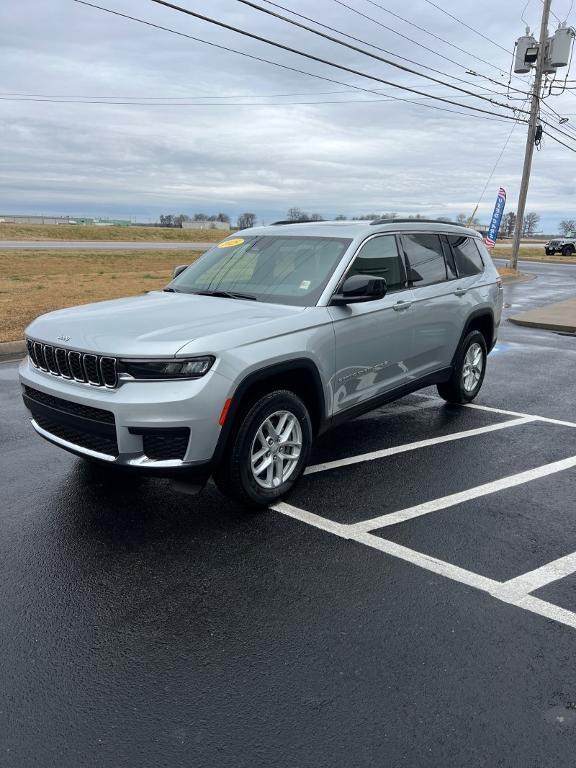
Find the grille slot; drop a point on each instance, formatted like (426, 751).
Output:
(92, 369)
(62, 363)
(50, 358)
(68, 406)
(31, 352)
(84, 367)
(76, 368)
(40, 359)
(108, 371)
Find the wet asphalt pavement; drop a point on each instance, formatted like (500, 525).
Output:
(141, 627)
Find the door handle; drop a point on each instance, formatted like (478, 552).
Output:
(401, 305)
(460, 291)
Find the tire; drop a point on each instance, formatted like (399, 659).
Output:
(466, 379)
(568, 250)
(262, 486)
(549, 253)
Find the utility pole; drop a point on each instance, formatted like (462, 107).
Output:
(531, 132)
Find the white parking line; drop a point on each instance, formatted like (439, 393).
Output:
(414, 446)
(540, 577)
(444, 502)
(498, 590)
(490, 409)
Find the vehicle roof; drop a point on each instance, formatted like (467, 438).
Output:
(360, 229)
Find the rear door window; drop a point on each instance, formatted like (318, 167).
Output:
(379, 257)
(466, 255)
(424, 259)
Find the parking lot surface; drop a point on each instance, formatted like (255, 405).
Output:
(412, 603)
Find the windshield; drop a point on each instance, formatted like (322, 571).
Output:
(283, 270)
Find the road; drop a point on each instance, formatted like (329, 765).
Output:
(102, 245)
(375, 620)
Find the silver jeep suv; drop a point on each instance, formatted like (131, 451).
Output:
(270, 338)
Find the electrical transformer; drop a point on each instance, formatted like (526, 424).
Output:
(526, 54)
(560, 45)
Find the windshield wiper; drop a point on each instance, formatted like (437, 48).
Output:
(227, 295)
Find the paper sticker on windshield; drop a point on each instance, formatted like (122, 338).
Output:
(231, 243)
(304, 285)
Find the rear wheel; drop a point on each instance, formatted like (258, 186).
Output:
(568, 250)
(469, 369)
(268, 450)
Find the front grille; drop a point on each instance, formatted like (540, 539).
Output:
(67, 406)
(97, 370)
(100, 443)
(164, 444)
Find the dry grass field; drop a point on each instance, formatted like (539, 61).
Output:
(89, 232)
(34, 282)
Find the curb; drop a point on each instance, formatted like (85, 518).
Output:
(559, 317)
(558, 327)
(9, 349)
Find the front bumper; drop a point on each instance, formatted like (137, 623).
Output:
(138, 425)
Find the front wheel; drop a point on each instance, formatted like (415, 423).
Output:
(268, 452)
(469, 369)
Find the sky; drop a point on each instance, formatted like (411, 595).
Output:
(225, 133)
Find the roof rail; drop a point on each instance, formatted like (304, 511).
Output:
(293, 221)
(413, 221)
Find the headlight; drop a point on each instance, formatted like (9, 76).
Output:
(191, 368)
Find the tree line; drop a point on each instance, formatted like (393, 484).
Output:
(247, 220)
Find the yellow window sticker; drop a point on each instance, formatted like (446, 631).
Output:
(231, 243)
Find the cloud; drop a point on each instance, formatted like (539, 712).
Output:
(347, 157)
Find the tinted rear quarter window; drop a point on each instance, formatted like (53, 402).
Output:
(424, 259)
(466, 255)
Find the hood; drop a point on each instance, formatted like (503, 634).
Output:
(155, 324)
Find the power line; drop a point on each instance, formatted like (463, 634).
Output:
(261, 59)
(496, 164)
(572, 149)
(381, 100)
(431, 34)
(379, 48)
(463, 23)
(311, 94)
(224, 25)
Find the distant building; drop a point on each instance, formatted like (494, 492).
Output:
(24, 219)
(204, 224)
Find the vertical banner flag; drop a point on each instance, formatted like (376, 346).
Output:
(490, 240)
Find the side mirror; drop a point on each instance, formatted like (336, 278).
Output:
(359, 288)
(179, 269)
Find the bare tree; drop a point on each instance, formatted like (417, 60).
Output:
(568, 227)
(531, 221)
(316, 217)
(246, 220)
(508, 224)
(461, 219)
(297, 214)
(341, 217)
